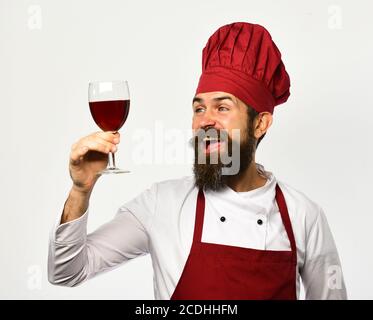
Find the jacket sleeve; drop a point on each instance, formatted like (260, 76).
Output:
(322, 273)
(75, 256)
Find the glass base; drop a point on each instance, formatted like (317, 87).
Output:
(113, 171)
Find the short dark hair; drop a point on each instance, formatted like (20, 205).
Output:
(252, 114)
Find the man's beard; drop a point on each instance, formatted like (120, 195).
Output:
(211, 175)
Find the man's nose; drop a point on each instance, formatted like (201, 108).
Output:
(208, 120)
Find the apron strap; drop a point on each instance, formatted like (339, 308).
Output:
(286, 220)
(200, 212)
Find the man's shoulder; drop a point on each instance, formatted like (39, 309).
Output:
(300, 206)
(177, 185)
(184, 180)
(163, 192)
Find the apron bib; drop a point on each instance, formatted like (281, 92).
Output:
(215, 271)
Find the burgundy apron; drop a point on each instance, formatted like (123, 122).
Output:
(215, 271)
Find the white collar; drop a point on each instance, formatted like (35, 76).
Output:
(259, 200)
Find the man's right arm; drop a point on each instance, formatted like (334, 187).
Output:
(75, 256)
(75, 205)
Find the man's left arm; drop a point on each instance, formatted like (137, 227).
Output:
(322, 273)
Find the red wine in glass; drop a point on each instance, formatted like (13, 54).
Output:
(109, 103)
(110, 115)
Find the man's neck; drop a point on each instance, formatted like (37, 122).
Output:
(248, 180)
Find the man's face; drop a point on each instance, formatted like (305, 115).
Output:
(223, 113)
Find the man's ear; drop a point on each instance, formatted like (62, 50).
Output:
(262, 123)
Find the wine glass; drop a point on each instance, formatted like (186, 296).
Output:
(109, 103)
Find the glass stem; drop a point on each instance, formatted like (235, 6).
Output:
(112, 161)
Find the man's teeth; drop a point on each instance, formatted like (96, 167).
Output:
(210, 139)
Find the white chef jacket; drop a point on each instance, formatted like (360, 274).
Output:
(160, 221)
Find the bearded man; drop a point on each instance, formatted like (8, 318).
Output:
(230, 231)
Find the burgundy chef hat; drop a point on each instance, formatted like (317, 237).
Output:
(241, 59)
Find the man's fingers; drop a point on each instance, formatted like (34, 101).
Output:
(108, 136)
(90, 145)
(101, 141)
(110, 145)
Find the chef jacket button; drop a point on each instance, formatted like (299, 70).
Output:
(260, 221)
(222, 219)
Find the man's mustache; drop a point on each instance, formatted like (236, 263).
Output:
(201, 136)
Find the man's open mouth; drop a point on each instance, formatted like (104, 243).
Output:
(212, 144)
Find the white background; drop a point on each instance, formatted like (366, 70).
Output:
(319, 142)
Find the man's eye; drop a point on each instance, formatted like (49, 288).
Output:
(198, 110)
(221, 108)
